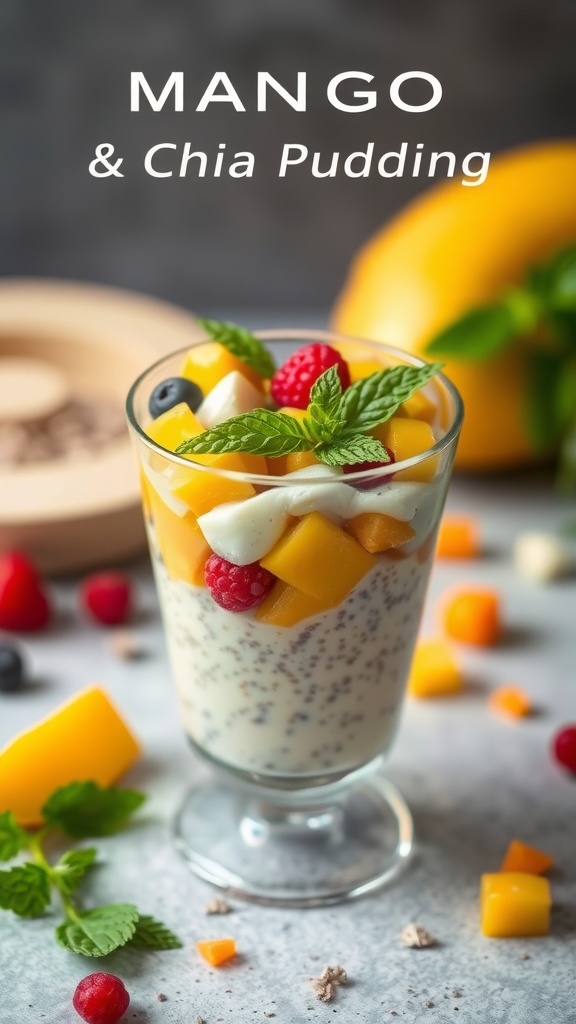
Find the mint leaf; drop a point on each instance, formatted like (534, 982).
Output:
(152, 934)
(25, 889)
(242, 344)
(555, 280)
(481, 333)
(376, 398)
(324, 415)
(99, 932)
(260, 432)
(12, 837)
(86, 809)
(548, 406)
(346, 451)
(72, 867)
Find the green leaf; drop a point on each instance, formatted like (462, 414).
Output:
(566, 474)
(25, 889)
(479, 334)
(324, 414)
(261, 432)
(242, 344)
(86, 809)
(99, 932)
(374, 399)
(555, 280)
(346, 451)
(547, 405)
(72, 867)
(12, 837)
(152, 934)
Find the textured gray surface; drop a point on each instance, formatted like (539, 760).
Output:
(473, 782)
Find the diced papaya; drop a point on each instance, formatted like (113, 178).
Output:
(514, 905)
(418, 407)
(83, 739)
(181, 543)
(208, 363)
(510, 701)
(201, 491)
(407, 438)
(473, 617)
(285, 606)
(434, 672)
(377, 532)
(174, 426)
(521, 857)
(458, 537)
(319, 558)
(217, 951)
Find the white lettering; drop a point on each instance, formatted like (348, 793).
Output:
(353, 108)
(298, 102)
(287, 162)
(415, 108)
(152, 152)
(228, 96)
(138, 82)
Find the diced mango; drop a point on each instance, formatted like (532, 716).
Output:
(201, 491)
(290, 463)
(458, 537)
(514, 905)
(377, 532)
(256, 464)
(361, 368)
(83, 739)
(407, 438)
(207, 364)
(182, 544)
(434, 672)
(521, 857)
(319, 558)
(418, 407)
(473, 617)
(285, 606)
(174, 426)
(510, 701)
(217, 951)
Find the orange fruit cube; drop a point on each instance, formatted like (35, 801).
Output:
(521, 857)
(458, 537)
(207, 364)
(181, 542)
(406, 438)
(514, 905)
(418, 407)
(510, 701)
(377, 532)
(285, 606)
(473, 617)
(174, 426)
(217, 951)
(434, 671)
(201, 491)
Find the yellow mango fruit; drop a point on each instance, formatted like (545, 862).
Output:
(201, 491)
(434, 671)
(83, 739)
(319, 558)
(377, 532)
(418, 407)
(207, 364)
(406, 438)
(514, 905)
(174, 426)
(181, 543)
(286, 606)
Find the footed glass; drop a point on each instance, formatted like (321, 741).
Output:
(291, 707)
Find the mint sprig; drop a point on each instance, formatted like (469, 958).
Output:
(242, 344)
(335, 424)
(78, 810)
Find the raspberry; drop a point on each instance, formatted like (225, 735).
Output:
(23, 604)
(564, 747)
(237, 588)
(107, 597)
(101, 998)
(291, 384)
(363, 467)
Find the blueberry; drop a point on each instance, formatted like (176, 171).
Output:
(171, 392)
(11, 669)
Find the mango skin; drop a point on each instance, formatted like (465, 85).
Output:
(455, 247)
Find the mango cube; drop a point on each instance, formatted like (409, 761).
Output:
(174, 426)
(285, 606)
(201, 491)
(361, 368)
(377, 532)
(458, 537)
(182, 544)
(510, 701)
(85, 738)
(208, 364)
(418, 407)
(406, 438)
(434, 671)
(514, 905)
(319, 558)
(521, 857)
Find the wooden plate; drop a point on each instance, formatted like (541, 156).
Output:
(72, 515)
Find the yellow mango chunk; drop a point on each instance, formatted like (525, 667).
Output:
(522, 857)
(85, 738)
(514, 905)
(361, 368)
(406, 438)
(207, 364)
(201, 491)
(377, 532)
(181, 543)
(283, 464)
(174, 426)
(418, 407)
(434, 672)
(285, 606)
(319, 558)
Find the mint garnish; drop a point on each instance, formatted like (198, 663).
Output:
(12, 837)
(335, 422)
(99, 932)
(85, 809)
(25, 889)
(242, 344)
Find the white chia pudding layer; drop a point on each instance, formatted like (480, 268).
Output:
(321, 696)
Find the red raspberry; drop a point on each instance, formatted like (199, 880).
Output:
(291, 384)
(23, 604)
(101, 998)
(564, 747)
(237, 587)
(363, 467)
(107, 597)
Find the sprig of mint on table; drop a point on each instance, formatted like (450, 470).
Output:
(541, 312)
(79, 810)
(335, 424)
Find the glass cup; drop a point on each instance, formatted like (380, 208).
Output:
(291, 708)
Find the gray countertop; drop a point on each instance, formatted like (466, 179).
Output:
(473, 781)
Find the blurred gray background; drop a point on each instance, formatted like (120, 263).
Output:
(507, 68)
